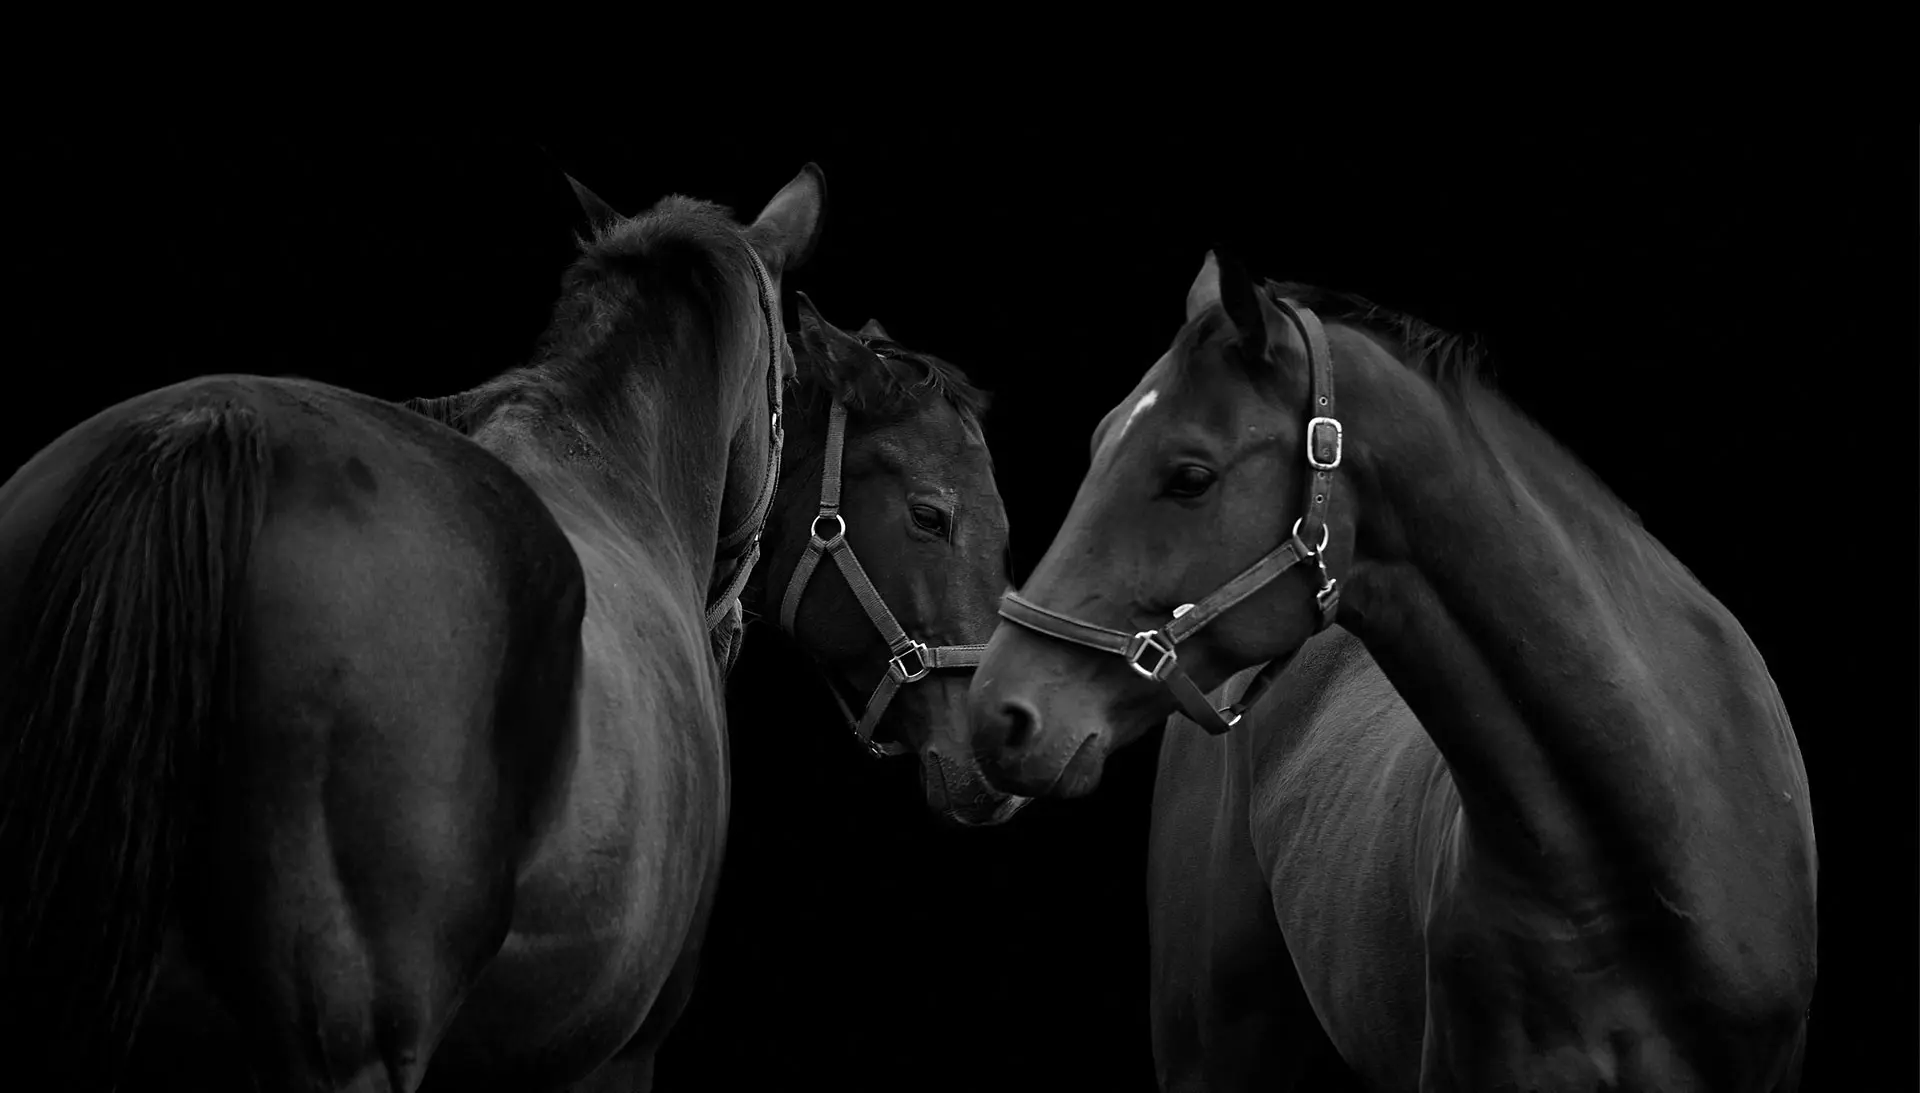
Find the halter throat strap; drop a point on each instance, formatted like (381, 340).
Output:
(910, 660)
(726, 603)
(1154, 654)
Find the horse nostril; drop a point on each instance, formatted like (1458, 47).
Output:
(1021, 720)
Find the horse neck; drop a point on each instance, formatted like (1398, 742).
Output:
(649, 471)
(1559, 658)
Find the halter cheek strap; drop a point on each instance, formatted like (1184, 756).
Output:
(910, 660)
(1324, 443)
(725, 608)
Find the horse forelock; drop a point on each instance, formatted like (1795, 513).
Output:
(886, 383)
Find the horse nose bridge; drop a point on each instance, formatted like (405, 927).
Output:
(951, 605)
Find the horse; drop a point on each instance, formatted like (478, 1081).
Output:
(1532, 817)
(381, 745)
(885, 450)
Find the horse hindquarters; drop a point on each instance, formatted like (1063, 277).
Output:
(1228, 1010)
(403, 704)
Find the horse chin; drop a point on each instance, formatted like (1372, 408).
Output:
(1081, 774)
(958, 793)
(1000, 813)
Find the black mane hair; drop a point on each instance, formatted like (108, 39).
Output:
(890, 387)
(1456, 363)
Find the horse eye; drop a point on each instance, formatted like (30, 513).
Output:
(1189, 480)
(928, 518)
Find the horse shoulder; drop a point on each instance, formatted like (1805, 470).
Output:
(1739, 873)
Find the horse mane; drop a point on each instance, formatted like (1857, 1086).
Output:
(1458, 367)
(453, 411)
(601, 328)
(1456, 363)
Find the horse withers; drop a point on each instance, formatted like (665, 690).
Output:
(1535, 820)
(372, 744)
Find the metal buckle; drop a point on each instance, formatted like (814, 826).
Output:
(1152, 639)
(1327, 591)
(898, 666)
(814, 528)
(1315, 430)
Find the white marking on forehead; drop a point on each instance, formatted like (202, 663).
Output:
(1146, 401)
(1140, 405)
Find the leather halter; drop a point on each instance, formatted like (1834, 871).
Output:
(911, 660)
(1324, 444)
(750, 529)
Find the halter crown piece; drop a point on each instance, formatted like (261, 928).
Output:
(725, 608)
(1324, 448)
(911, 660)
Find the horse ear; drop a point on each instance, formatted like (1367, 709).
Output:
(1242, 304)
(834, 351)
(599, 213)
(788, 229)
(1205, 290)
(819, 335)
(873, 329)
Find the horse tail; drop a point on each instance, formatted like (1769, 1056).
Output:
(116, 686)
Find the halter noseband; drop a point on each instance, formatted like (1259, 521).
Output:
(911, 660)
(750, 529)
(1324, 445)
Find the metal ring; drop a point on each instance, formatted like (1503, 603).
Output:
(1326, 532)
(837, 518)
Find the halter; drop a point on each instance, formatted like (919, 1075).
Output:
(728, 602)
(911, 660)
(1324, 444)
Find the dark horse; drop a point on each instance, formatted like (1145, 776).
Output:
(367, 744)
(885, 461)
(1535, 820)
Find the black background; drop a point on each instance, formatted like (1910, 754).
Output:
(1719, 320)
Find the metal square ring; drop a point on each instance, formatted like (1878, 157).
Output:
(1152, 639)
(898, 666)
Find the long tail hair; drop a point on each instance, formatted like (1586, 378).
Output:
(116, 686)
